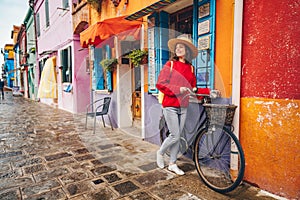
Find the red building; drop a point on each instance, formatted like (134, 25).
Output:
(270, 95)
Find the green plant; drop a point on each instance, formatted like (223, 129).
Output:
(138, 56)
(109, 64)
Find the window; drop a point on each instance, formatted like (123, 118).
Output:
(38, 27)
(101, 79)
(65, 4)
(66, 62)
(197, 20)
(182, 22)
(41, 66)
(47, 13)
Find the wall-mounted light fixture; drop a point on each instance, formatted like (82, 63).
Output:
(65, 9)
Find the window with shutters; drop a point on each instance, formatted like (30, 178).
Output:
(65, 4)
(47, 13)
(38, 26)
(101, 79)
(66, 62)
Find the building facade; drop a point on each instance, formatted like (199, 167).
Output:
(234, 56)
(9, 64)
(270, 94)
(30, 52)
(56, 41)
(252, 67)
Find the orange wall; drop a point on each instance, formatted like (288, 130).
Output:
(223, 53)
(270, 90)
(110, 11)
(270, 139)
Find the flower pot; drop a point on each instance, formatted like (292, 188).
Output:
(144, 60)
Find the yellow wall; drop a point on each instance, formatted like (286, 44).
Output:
(108, 10)
(270, 136)
(223, 53)
(10, 49)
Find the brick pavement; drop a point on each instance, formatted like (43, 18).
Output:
(45, 153)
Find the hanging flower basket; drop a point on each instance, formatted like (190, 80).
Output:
(138, 57)
(109, 64)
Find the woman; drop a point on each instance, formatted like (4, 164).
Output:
(174, 80)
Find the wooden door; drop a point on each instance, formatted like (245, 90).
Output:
(136, 95)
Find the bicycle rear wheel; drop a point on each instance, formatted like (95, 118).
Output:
(219, 158)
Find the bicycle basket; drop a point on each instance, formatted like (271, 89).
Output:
(220, 113)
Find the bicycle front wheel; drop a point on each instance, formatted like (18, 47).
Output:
(219, 158)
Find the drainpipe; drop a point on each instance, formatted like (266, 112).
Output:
(142, 86)
(236, 70)
(237, 57)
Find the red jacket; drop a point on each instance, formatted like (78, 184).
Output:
(170, 80)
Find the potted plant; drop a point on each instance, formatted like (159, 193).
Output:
(109, 64)
(138, 57)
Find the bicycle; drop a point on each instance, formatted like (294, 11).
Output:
(216, 151)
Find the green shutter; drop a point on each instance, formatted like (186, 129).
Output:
(64, 63)
(38, 29)
(70, 64)
(47, 13)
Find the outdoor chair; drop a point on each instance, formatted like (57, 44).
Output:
(99, 107)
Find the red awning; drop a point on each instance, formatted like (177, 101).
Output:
(101, 31)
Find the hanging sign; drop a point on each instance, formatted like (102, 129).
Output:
(204, 43)
(204, 10)
(151, 62)
(203, 27)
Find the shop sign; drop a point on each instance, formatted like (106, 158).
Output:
(204, 27)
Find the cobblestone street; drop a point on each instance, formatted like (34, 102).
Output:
(46, 153)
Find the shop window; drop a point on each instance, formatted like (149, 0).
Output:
(66, 64)
(198, 21)
(101, 79)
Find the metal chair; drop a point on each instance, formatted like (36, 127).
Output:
(92, 112)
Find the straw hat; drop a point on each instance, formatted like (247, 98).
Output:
(183, 39)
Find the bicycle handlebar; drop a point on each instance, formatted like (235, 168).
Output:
(206, 97)
(196, 94)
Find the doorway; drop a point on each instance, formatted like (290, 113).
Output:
(135, 79)
(136, 94)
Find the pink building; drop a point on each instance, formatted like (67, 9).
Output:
(63, 78)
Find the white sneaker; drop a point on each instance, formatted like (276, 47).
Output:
(174, 168)
(160, 160)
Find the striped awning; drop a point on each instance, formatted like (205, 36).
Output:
(149, 9)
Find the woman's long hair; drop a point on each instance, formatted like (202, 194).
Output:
(188, 56)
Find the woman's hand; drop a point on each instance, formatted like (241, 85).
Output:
(183, 90)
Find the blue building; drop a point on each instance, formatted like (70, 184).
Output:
(9, 64)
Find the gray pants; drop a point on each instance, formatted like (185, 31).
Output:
(175, 118)
(2, 92)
